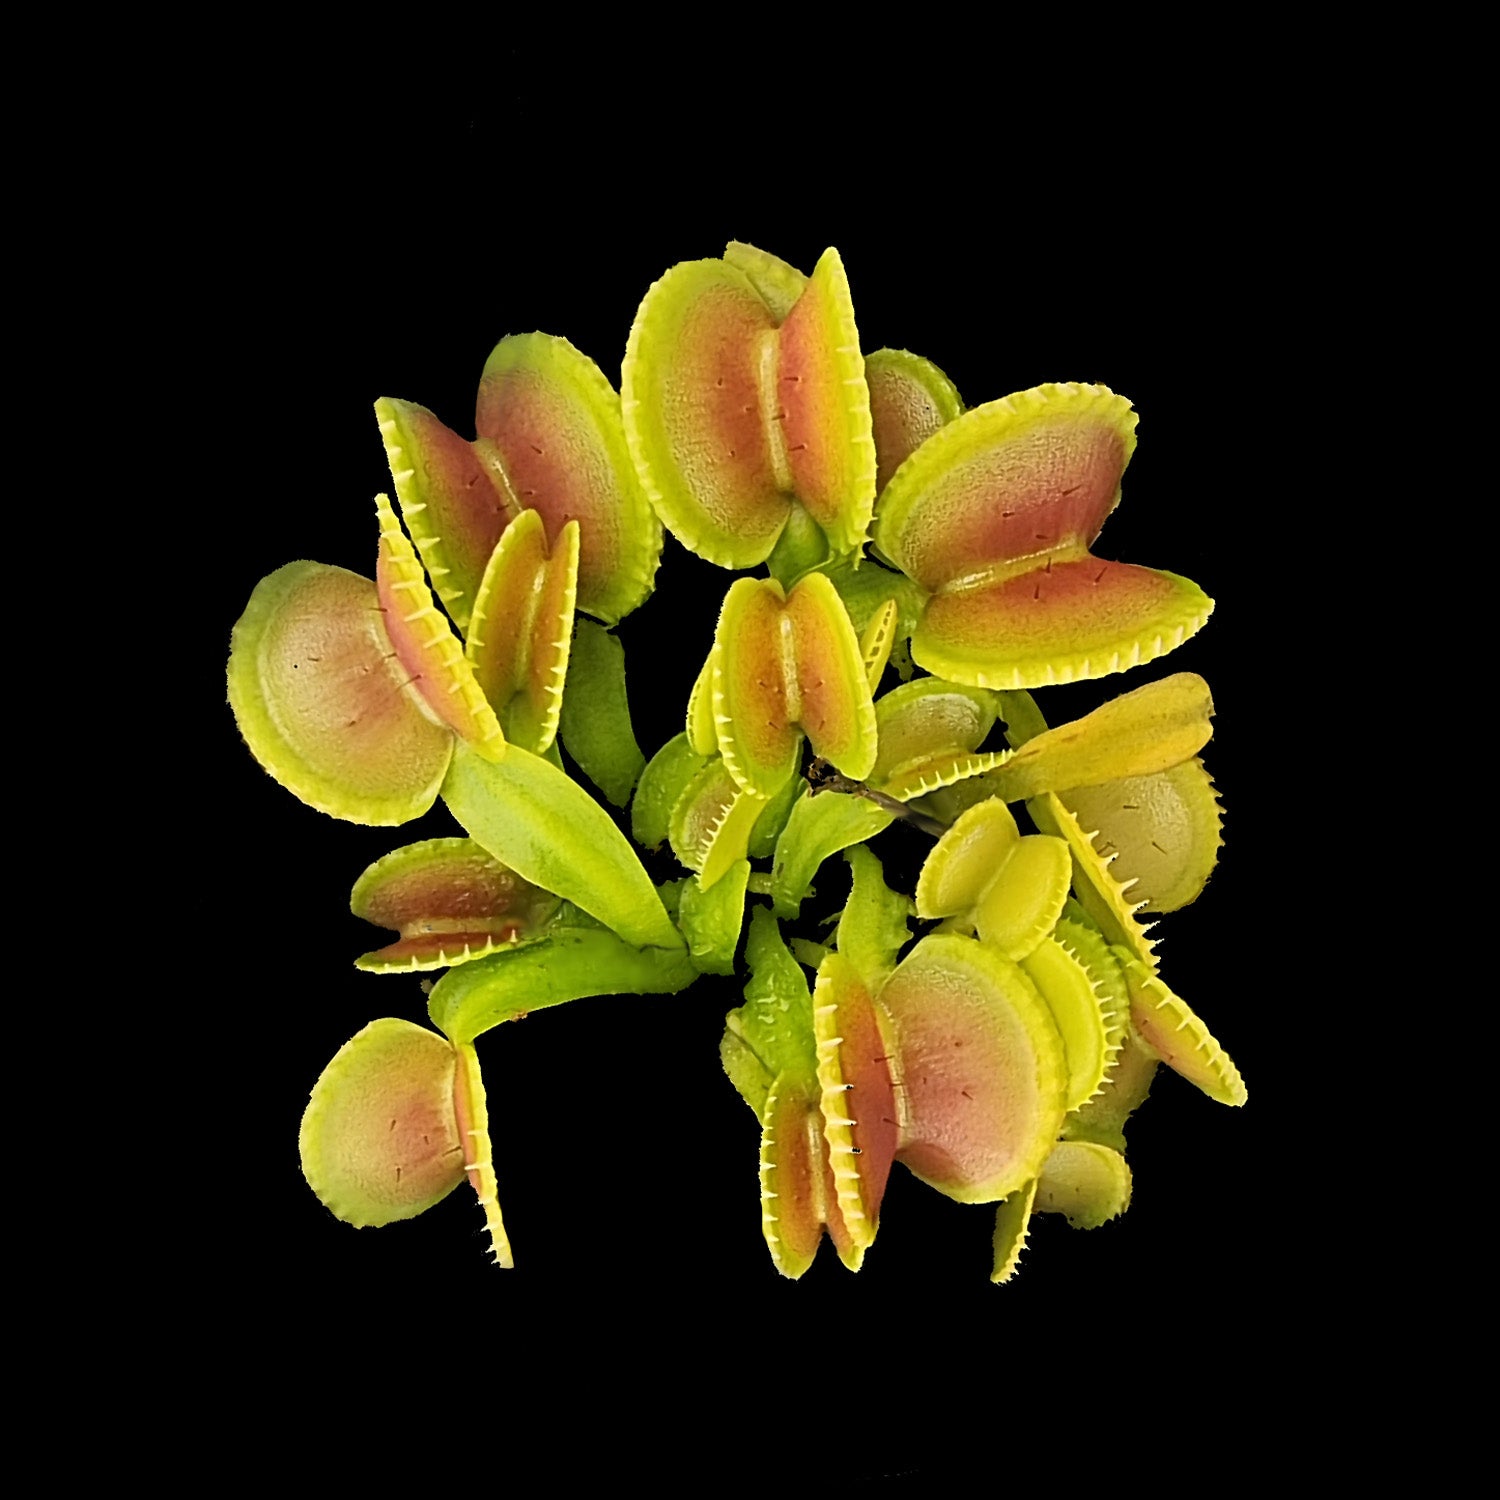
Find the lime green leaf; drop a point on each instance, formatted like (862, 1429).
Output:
(800, 548)
(820, 825)
(596, 725)
(745, 1071)
(1138, 733)
(711, 919)
(773, 819)
(546, 828)
(775, 1021)
(667, 775)
(873, 928)
(810, 954)
(568, 964)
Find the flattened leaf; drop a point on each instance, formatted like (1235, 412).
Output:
(1167, 1025)
(874, 926)
(450, 901)
(1088, 1183)
(1023, 719)
(380, 1138)
(662, 783)
(555, 424)
(910, 398)
(538, 822)
(324, 703)
(449, 498)
(775, 1021)
(521, 629)
(697, 387)
(773, 819)
(825, 408)
(979, 1069)
(711, 919)
(810, 954)
(1138, 733)
(820, 825)
(570, 963)
(425, 643)
(801, 547)
(595, 719)
(745, 1071)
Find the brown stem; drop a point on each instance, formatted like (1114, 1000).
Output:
(822, 777)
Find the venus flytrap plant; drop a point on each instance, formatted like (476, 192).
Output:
(998, 1052)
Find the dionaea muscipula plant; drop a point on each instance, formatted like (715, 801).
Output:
(992, 1029)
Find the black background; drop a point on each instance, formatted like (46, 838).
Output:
(362, 251)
